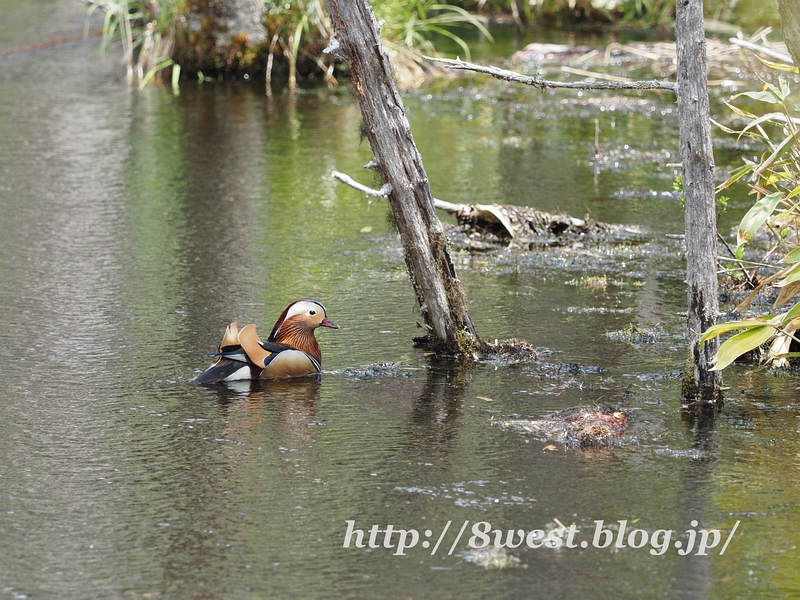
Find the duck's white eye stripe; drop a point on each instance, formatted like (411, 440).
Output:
(302, 308)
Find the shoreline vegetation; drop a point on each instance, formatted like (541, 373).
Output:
(282, 43)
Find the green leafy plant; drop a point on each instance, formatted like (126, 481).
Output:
(774, 178)
(653, 13)
(146, 32)
(408, 28)
(295, 26)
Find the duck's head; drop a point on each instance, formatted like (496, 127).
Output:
(300, 319)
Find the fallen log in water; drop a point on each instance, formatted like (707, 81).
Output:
(487, 224)
(491, 224)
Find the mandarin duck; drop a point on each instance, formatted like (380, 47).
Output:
(290, 351)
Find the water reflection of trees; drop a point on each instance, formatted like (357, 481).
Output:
(693, 573)
(435, 415)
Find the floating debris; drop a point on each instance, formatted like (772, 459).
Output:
(602, 282)
(620, 158)
(484, 226)
(691, 454)
(633, 334)
(384, 369)
(724, 58)
(512, 350)
(581, 426)
(490, 557)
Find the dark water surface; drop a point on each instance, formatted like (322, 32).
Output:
(136, 225)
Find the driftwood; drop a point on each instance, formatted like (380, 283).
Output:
(491, 224)
(501, 223)
(724, 57)
(441, 298)
(700, 382)
(538, 82)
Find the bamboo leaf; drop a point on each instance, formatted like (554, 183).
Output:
(761, 119)
(716, 330)
(737, 175)
(792, 257)
(723, 127)
(791, 276)
(784, 88)
(741, 343)
(787, 293)
(761, 285)
(793, 313)
(756, 217)
(778, 66)
(765, 96)
(738, 111)
(768, 162)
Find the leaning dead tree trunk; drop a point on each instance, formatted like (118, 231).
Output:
(441, 298)
(790, 26)
(700, 382)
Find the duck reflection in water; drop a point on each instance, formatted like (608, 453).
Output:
(285, 408)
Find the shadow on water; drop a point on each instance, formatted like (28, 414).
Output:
(435, 417)
(694, 572)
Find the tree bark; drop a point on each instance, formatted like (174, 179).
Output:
(441, 298)
(700, 382)
(789, 11)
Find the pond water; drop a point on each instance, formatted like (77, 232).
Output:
(136, 225)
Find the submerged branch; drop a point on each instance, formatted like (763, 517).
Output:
(538, 82)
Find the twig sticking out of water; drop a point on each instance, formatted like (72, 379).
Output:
(387, 189)
(538, 82)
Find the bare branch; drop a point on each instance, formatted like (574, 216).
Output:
(384, 192)
(781, 56)
(538, 82)
(381, 193)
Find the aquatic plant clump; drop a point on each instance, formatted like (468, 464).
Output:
(511, 351)
(580, 426)
(373, 371)
(635, 334)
